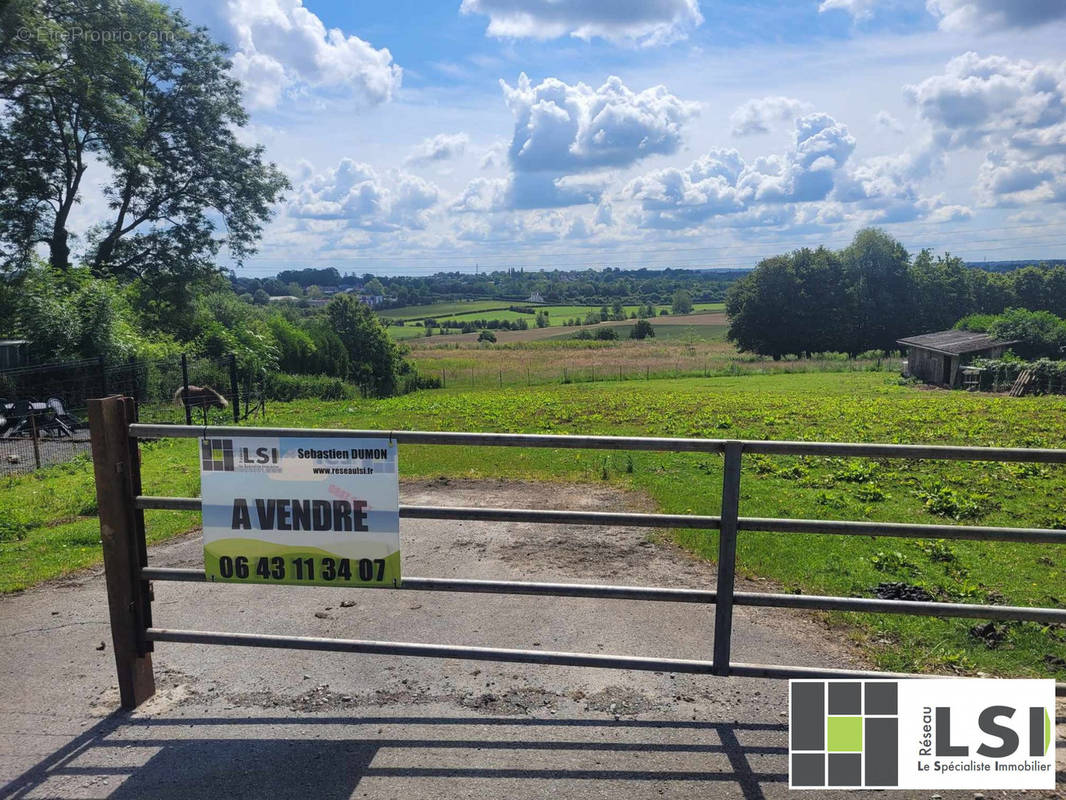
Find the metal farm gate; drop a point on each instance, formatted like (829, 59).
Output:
(115, 435)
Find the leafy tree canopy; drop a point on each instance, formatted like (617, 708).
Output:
(155, 111)
(375, 361)
(681, 303)
(870, 294)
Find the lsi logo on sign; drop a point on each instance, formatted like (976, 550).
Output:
(937, 733)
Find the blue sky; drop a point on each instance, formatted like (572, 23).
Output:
(539, 133)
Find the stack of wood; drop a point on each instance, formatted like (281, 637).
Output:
(1022, 384)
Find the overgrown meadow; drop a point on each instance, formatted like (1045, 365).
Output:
(49, 527)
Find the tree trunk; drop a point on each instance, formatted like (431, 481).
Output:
(58, 244)
(104, 252)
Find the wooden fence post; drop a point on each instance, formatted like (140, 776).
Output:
(116, 464)
(36, 445)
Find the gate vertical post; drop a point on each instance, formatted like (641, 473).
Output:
(185, 385)
(727, 557)
(116, 465)
(233, 388)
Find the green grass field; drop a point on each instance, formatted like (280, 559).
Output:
(442, 309)
(677, 350)
(50, 528)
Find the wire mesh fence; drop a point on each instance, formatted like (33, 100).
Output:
(42, 408)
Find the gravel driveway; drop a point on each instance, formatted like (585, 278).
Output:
(230, 722)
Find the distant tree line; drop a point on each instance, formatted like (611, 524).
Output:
(872, 293)
(557, 287)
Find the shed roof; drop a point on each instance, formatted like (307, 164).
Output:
(955, 342)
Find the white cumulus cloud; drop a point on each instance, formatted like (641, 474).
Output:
(859, 9)
(1007, 178)
(991, 15)
(980, 16)
(1013, 110)
(888, 122)
(442, 147)
(760, 114)
(723, 183)
(353, 193)
(979, 98)
(566, 136)
(565, 129)
(281, 44)
(641, 21)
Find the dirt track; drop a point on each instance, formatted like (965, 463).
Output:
(260, 723)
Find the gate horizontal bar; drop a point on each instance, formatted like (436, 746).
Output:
(498, 654)
(672, 595)
(874, 605)
(673, 444)
(740, 670)
(541, 515)
(429, 650)
(902, 529)
(821, 526)
(155, 431)
(492, 587)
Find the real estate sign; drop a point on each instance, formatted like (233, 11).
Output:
(295, 510)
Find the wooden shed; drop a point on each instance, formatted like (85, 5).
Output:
(938, 357)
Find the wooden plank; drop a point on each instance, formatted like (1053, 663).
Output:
(122, 534)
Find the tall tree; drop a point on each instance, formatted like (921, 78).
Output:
(681, 302)
(375, 361)
(759, 305)
(878, 265)
(156, 110)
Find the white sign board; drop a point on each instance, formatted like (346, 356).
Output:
(295, 510)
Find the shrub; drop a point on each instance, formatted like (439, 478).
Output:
(1039, 333)
(606, 334)
(892, 561)
(295, 345)
(487, 336)
(955, 503)
(283, 387)
(642, 330)
(375, 362)
(682, 302)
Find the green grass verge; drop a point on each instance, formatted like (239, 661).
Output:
(60, 535)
